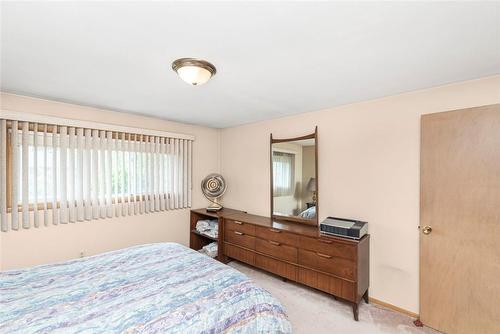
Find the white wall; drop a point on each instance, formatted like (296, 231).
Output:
(368, 169)
(55, 243)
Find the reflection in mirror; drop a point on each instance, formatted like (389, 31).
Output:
(294, 179)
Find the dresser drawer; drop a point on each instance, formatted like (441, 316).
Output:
(276, 249)
(240, 254)
(327, 283)
(316, 260)
(329, 247)
(235, 225)
(277, 235)
(277, 267)
(320, 281)
(239, 238)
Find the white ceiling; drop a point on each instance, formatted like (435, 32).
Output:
(273, 59)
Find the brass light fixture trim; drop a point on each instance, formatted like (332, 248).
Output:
(181, 62)
(194, 71)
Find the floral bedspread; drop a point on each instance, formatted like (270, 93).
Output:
(156, 288)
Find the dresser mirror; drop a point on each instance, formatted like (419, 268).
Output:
(294, 179)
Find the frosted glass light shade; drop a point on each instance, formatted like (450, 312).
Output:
(194, 71)
(194, 75)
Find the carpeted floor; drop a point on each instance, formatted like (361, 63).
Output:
(312, 311)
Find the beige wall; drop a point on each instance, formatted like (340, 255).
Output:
(368, 169)
(36, 246)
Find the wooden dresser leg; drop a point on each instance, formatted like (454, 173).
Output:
(355, 311)
(365, 297)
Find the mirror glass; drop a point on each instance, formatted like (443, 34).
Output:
(294, 179)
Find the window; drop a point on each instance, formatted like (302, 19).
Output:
(82, 174)
(283, 173)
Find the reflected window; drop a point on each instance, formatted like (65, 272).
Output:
(283, 173)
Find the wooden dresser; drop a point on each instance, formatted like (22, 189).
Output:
(296, 252)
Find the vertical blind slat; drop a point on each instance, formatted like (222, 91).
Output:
(147, 173)
(15, 175)
(156, 174)
(114, 186)
(173, 176)
(109, 197)
(118, 201)
(176, 174)
(63, 139)
(170, 176)
(184, 174)
(116, 149)
(55, 144)
(95, 174)
(130, 174)
(25, 175)
(36, 221)
(190, 171)
(137, 179)
(142, 174)
(3, 176)
(179, 173)
(45, 176)
(151, 173)
(118, 177)
(124, 173)
(80, 148)
(167, 174)
(71, 174)
(102, 174)
(87, 175)
(162, 174)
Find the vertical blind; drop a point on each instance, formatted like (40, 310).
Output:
(283, 173)
(54, 174)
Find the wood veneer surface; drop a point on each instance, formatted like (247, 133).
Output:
(295, 251)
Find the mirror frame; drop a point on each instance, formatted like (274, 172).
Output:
(314, 136)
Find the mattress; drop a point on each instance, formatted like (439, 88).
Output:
(155, 288)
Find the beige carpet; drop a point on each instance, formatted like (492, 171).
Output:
(312, 311)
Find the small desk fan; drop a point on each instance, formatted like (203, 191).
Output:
(213, 187)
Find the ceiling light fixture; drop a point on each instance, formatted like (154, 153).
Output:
(194, 71)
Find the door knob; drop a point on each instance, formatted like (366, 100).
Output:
(427, 230)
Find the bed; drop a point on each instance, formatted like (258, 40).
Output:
(309, 213)
(156, 288)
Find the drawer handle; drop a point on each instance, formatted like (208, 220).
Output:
(274, 243)
(239, 233)
(324, 255)
(325, 241)
(237, 222)
(275, 231)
